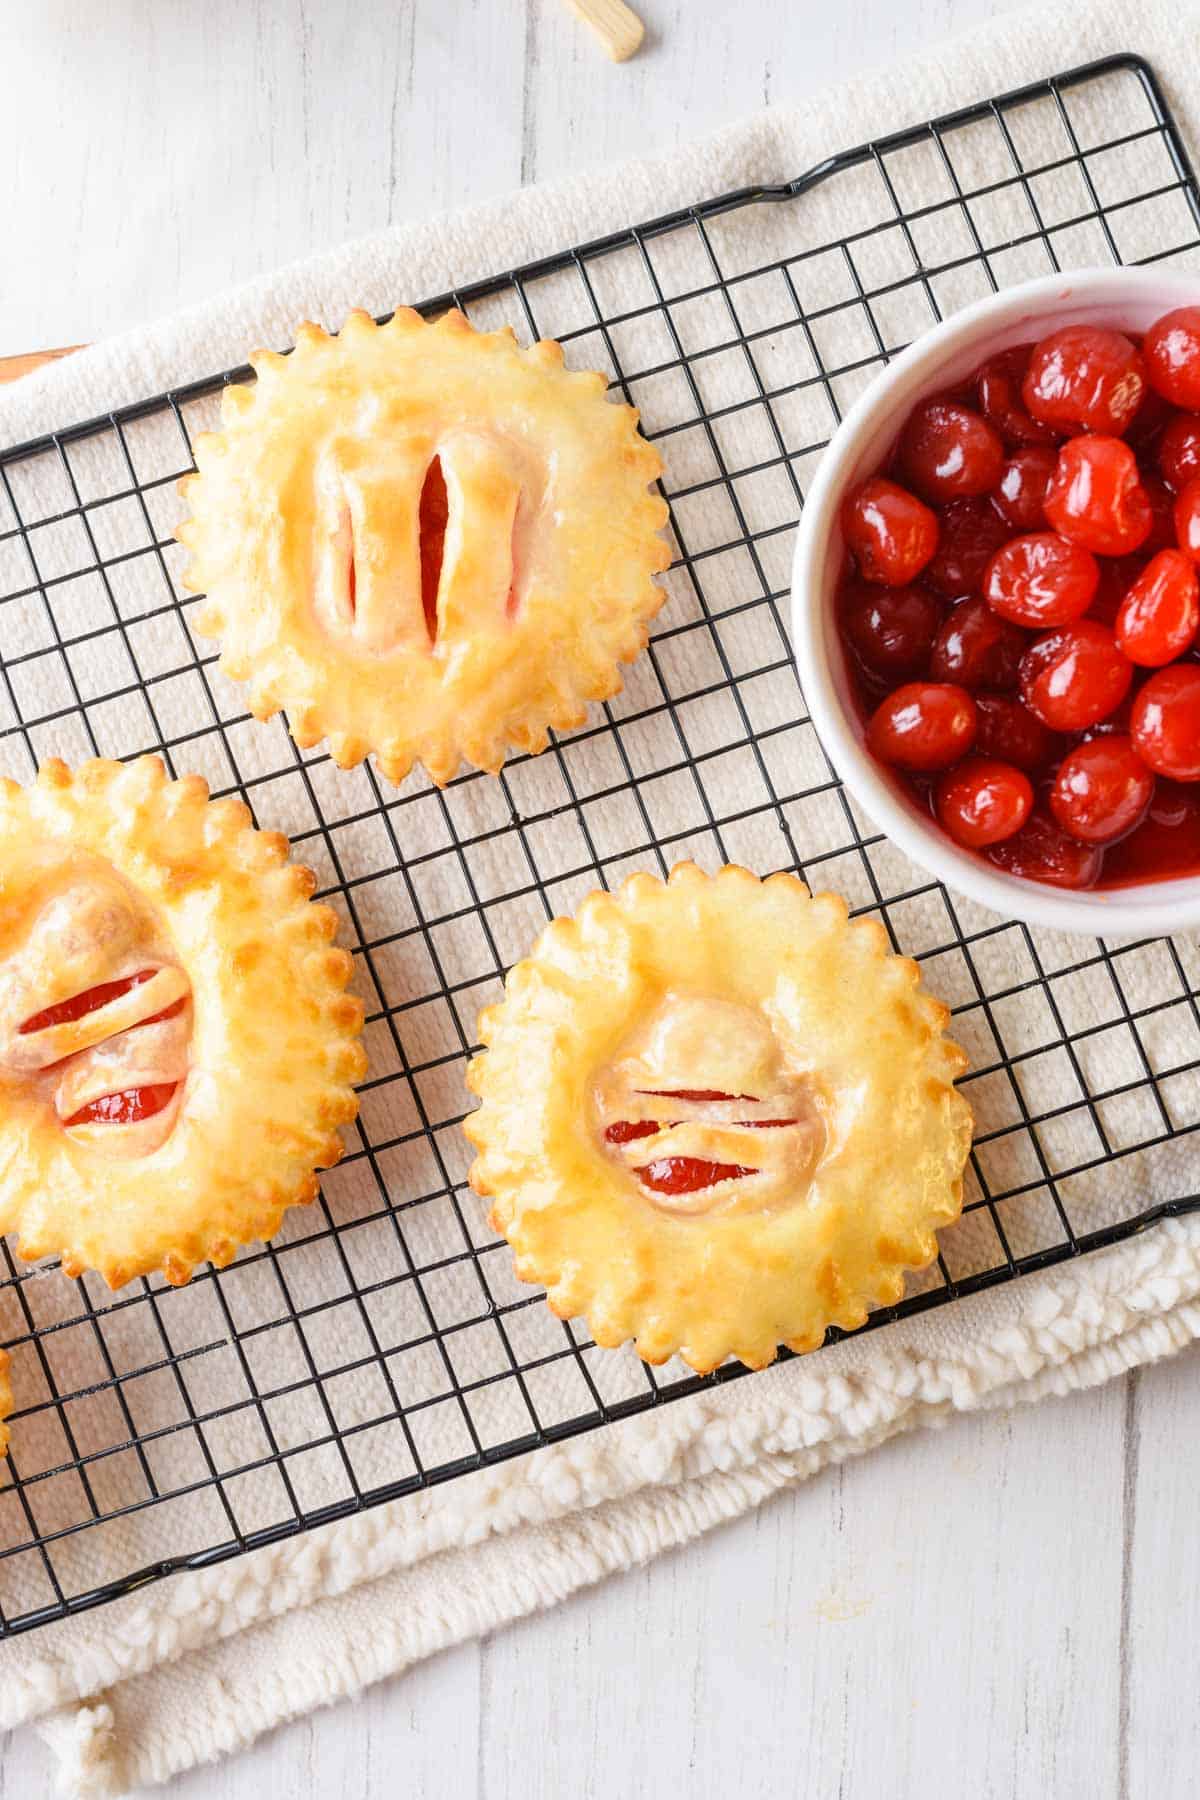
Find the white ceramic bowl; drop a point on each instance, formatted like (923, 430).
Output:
(1125, 298)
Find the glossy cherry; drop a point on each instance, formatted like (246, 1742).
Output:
(1171, 352)
(999, 385)
(1096, 499)
(1041, 579)
(1166, 843)
(971, 533)
(125, 1108)
(976, 648)
(1020, 495)
(891, 532)
(981, 801)
(1009, 732)
(1187, 519)
(891, 629)
(947, 452)
(923, 725)
(688, 1174)
(1160, 613)
(1075, 676)
(1179, 451)
(1043, 851)
(1102, 790)
(1085, 377)
(1165, 722)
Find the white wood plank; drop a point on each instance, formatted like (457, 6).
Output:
(942, 1617)
(1159, 1718)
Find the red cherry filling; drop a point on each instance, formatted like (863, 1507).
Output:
(1041, 579)
(1160, 614)
(977, 649)
(1179, 451)
(947, 451)
(1020, 496)
(1084, 376)
(688, 1174)
(1042, 851)
(1171, 350)
(1000, 382)
(1165, 722)
(971, 533)
(890, 532)
(1009, 732)
(626, 1130)
(983, 802)
(1092, 544)
(1076, 676)
(891, 629)
(924, 725)
(65, 1012)
(1095, 498)
(127, 1107)
(1102, 790)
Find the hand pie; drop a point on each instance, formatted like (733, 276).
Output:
(423, 541)
(176, 1046)
(716, 1116)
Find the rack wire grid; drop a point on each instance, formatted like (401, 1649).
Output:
(381, 1343)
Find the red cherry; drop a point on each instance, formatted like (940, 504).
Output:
(1171, 351)
(1085, 376)
(1161, 535)
(1021, 492)
(891, 532)
(1000, 381)
(125, 1108)
(1041, 580)
(924, 725)
(1187, 519)
(1042, 851)
(947, 451)
(1009, 732)
(1076, 676)
(1165, 723)
(1160, 613)
(1179, 451)
(1095, 498)
(971, 533)
(1117, 576)
(1166, 843)
(688, 1174)
(1102, 790)
(891, 629)
(982, 802)
(976, 648)
(1148, 421)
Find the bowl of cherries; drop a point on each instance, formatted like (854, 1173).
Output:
(996, 601)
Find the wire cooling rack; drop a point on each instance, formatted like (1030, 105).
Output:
(381, 1344)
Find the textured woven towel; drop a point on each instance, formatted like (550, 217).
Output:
(198, 1665)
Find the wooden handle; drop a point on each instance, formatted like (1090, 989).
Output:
(615, 24)
(13, 366)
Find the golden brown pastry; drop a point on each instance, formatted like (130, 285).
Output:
(177, 1049)
(717, 1116)
(423, 541)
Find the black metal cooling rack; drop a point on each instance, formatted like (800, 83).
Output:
(380, 1344)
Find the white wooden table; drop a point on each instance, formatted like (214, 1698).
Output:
(1005, 1608)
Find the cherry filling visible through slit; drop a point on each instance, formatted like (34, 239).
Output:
(131, 1104)
(125, 1108)
(91, 1000)
(432, 519)
(685, 1174)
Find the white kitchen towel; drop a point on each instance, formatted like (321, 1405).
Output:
(196, 1665)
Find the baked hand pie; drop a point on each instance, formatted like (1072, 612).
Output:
(177, 1049)
(423, 541)
(716, 1116)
